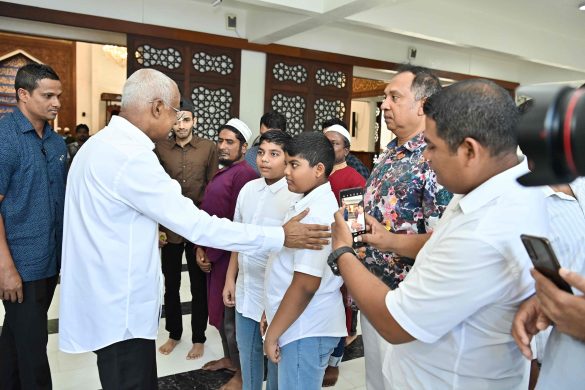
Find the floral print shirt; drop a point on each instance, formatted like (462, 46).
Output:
(402, 193)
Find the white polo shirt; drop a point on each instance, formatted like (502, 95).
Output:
(264, 205)
(466, 284)
(117, 194)
(325, 315)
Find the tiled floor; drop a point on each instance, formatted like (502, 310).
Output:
(80, 371)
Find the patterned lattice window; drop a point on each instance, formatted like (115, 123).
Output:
(327, 109)
(334, 79)
(204, 62)
(148, 56)
(293, 108)
(295, 73)
(213, 109)
(8, 68)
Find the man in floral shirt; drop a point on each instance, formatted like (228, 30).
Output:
(403, 197)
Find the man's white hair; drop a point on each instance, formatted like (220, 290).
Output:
(146, 85)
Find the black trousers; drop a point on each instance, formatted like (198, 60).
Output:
(128, 365)
(227, 332)
(171, 255)
(23, 343)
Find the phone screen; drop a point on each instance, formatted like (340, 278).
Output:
(544, 260)
(352, 200)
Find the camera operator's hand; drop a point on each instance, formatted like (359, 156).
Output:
(528, 321)
(340, 233)
(377, 235)
(567, 311)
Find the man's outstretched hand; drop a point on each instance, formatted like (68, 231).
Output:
(305, 236)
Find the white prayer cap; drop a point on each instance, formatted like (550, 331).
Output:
(339, 129)
(240, 127)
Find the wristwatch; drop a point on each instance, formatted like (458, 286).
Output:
(334, 256)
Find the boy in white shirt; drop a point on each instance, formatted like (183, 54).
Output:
(304, 307)
(264, 201)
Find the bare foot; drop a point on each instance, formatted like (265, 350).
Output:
(235, 383)
(330, 377)
(220, 364)
(168, 347)
(350, 339)
(196, 351)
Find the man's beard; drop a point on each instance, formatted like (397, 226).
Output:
(227, 163)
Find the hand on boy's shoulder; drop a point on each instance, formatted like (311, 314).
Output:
(303, 235)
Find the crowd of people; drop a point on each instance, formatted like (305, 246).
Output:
(446, 292)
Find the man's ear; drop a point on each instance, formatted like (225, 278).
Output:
(23, 94)
(244, 147)
(472, 151)
(156, 108)
(420, 110)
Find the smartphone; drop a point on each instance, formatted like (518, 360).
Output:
(352, 199)
(544, 260)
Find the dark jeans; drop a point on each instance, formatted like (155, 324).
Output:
(23, 343)
(171, 267)
(228, 336)
(128, 365)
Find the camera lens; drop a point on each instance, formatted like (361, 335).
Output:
(551, 132)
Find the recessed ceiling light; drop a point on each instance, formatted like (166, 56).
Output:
(582, 6)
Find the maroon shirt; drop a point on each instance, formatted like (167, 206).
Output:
(220, 200)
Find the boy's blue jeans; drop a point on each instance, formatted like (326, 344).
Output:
(252, 355)
(303, 362)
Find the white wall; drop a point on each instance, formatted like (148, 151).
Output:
(96, 74)
(366, 117)
(252, 83)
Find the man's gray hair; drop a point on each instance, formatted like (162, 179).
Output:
(424, 84)
(146, 85)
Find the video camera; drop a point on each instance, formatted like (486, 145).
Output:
(551, 131)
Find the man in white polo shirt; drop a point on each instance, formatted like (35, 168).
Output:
(450, 319)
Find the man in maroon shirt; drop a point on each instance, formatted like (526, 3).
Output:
(192, 161)
(220, 200)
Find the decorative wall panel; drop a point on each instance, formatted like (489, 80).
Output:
(307, 92)
(209, 76)
(59, 54)
(212, 108)
(293, 108)
(326, 109)
(148, 57)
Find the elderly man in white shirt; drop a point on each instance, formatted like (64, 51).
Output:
(451, 318)
(111, 283)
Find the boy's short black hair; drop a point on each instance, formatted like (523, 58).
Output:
(274, 120)
(314, 147)
(276, 137)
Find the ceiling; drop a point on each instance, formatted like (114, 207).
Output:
(548, 32)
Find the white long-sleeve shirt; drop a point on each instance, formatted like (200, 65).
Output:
(117, 194)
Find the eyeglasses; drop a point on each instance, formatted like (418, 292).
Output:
(166, 104)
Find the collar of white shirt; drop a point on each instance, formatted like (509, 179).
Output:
(548, 191)
(317, 193)
(127, 129)
(493, 187)
(274, 187)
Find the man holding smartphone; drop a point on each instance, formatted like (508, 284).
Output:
(565, 348)
(449, 321)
